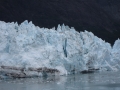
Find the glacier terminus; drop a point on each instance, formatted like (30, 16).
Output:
(28, 50)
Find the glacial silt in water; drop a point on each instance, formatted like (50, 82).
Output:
(94, 81)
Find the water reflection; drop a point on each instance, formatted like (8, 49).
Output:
(96, 81)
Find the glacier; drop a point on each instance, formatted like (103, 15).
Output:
(63, 51)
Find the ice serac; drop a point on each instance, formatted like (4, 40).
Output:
(39, 51)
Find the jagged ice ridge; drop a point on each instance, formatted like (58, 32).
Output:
(64, 49)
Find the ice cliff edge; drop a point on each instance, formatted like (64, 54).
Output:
(64, 49)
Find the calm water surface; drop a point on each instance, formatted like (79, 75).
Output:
(96, 81)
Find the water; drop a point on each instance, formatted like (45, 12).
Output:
(96, 81)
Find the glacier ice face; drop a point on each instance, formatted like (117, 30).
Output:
(64, 49)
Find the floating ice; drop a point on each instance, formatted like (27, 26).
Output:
(65, 49)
